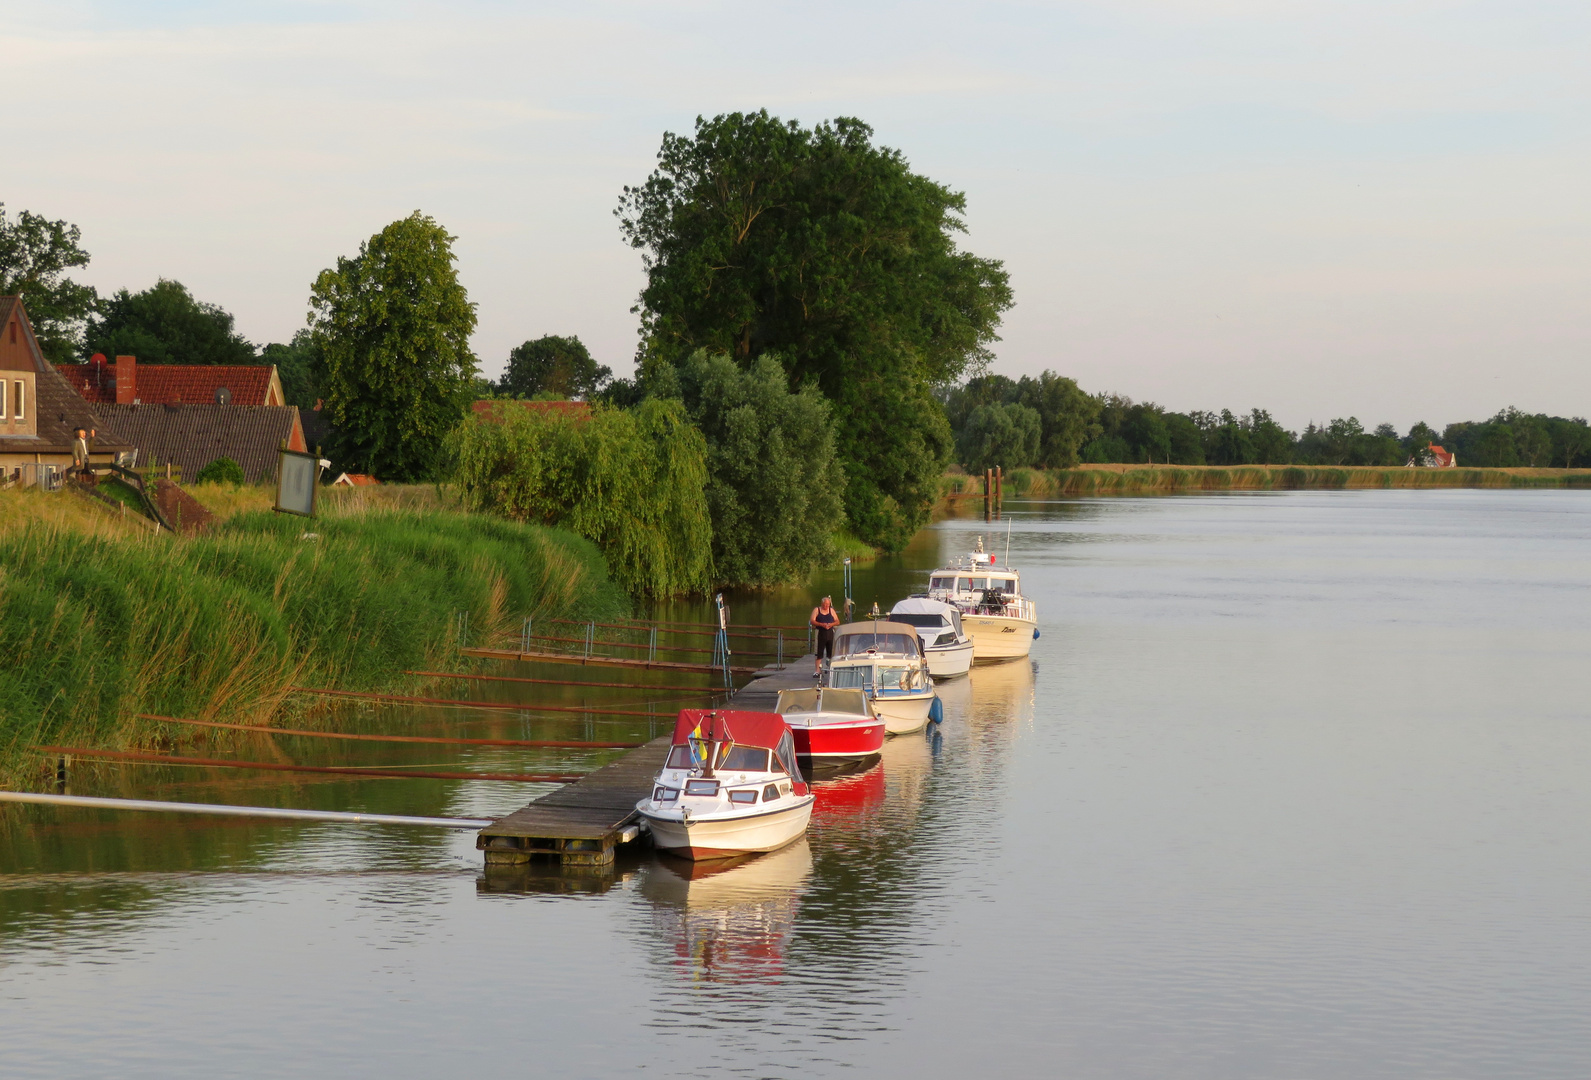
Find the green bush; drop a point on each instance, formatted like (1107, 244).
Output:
(631, 480)
(223, 470)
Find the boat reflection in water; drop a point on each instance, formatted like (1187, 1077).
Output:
(729, 920)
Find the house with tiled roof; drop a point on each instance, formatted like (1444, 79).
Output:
(192, 436)
(126, 383)
(39, 410)
(1434, 457)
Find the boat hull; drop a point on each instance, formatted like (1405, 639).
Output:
(725, 837)
(999, 637)
(837, 744)
(950, 661)
(903, 714)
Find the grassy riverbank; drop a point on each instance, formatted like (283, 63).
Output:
(100, 620)
(1171, 479)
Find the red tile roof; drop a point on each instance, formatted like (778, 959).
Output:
(177, 384)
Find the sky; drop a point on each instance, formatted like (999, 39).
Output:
(1375, 209)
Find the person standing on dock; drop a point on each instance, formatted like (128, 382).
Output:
(825, 620)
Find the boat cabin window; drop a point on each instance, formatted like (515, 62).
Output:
(743, 796)
(891, 678)
(744, 759)
(851, 678)
(680, 758)
(701, 787)
(1004, 584)
(972, 584)
(856, 644)
(927, 622)
(770, 793)
(665, 794)
(941, 583)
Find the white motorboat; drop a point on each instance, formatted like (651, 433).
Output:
(946, 644)
(885, 659)
(1001, 621)
(729, 786)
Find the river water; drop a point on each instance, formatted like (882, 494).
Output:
(1295, 785)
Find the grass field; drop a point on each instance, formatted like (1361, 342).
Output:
(101, 619)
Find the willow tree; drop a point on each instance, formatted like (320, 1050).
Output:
(763, 237)
(391, 330)
(631, 480)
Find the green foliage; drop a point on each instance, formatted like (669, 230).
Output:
(35, 253)
(631, 480)
(218, 626)
(1067, 419)
(1518, 438)
(557, 366)
(164, 324)
(296, 363)
(392, 327)
(223, 470)
(1345, 442)
(999, 435)
(764, 237)
(774, 486)
(1068, 416)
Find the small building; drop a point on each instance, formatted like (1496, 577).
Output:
(349, 479)
(192, 436)
(126, 383)
(39, 410)
(1433, 457)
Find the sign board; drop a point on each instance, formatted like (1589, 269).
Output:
(297, 477)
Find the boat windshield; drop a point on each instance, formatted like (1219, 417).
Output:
(882, 677)
(896, 644)
(891, 678)
(941, 583)
(744, 759)
(927, 622)
(826, 699)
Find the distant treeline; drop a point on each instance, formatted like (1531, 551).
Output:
(1049, 422)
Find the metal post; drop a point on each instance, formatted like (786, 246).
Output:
(524, 637)
(848, 602)
(651, 647)
(781, 649)
(464, 629)
(591, 632)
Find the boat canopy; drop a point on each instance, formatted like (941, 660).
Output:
(883, 636)
(743, 728)
(924, 613)
(824, 699)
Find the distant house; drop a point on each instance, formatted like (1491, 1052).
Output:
(125, 383)
(39, 411)
(1433, 457)
(351, 479)
(192, 436)
(484, 409)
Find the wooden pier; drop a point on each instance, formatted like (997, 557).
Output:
(582, 823)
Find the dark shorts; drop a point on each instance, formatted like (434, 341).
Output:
(825, 644)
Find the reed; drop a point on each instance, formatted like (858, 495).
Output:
(100, 622)
(1092, 480)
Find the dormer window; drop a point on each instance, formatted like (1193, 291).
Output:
(13, 331)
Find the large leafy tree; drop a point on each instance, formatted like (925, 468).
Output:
(164, 324)
(391, 328)
(559, 366)
(775, 486)
(764, 237)
(35, 254)
(1006, 436)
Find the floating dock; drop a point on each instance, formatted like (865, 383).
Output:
(581, 824)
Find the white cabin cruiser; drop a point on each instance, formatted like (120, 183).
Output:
(729, 786)
(885, 659)
(1001, 621)
(946, 644)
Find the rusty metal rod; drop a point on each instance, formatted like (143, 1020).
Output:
(668, 628)
(640, 645)
(601, 661)
(283, 813)
(273, 766)
(564, 682)
(500, 706)
(534, 743)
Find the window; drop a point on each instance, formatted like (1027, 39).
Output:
(927, 622)
(701, 787)
(743, 797)
(1004, 584)
(851, 678)
(770, 793)
(4, 412)
(20, 387)
(857, 644)
(680, 758)
(891, 678)
(975, 584)
(745, 759)
(13, 331)
(942, 583)
(664, 794)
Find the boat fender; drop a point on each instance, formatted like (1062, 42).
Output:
(1035, 633)
(936, 712)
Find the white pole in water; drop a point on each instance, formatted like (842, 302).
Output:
(245, 811)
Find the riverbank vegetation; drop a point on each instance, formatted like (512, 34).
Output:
(100, 622)
(1087, 480)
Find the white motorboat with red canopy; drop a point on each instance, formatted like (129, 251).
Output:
(831, 727)
(885, 659)
(730, 786)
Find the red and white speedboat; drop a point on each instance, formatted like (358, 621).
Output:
(831, 727)
(730, 786)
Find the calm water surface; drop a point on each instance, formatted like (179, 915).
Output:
(1295, 785)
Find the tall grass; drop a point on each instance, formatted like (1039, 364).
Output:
(1170, 479)
(96, 627)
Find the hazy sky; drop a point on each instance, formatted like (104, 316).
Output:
(1367, 208)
